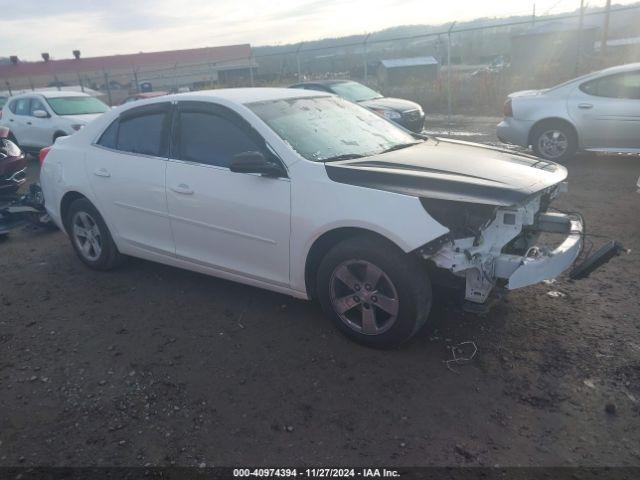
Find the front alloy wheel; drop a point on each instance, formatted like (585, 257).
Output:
(364, 297)
(375, 293)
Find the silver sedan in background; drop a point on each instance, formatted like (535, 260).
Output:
(598, 112)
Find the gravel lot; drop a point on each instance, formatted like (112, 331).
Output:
(153, 365)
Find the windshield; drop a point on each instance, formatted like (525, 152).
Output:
(76, 105)
(325, 128)
(353, 91)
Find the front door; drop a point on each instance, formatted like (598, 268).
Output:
(234, 222)
(126, 170)
(607, 111)
(40, 129)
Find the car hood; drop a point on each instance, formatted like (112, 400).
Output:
(81, 119)
(388, 103)
(452, 170)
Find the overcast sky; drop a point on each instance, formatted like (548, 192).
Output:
(103, 27)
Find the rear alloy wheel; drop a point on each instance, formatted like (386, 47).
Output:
(554, 141)
(86, 235)
(90, 236)
(375, 293)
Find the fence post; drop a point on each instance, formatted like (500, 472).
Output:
(8, 87)
(579, 47)
(364, 54)
(106, 82)
(449, 98)
(57, 82)
(80, 82)
(135, 79)
(298, 60)
(31, 85)
(605, 29)
(251, 70)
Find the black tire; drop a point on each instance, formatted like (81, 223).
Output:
(108, 256)
(409, 281)
(563, 130)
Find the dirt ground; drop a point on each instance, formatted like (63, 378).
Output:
(151, 365)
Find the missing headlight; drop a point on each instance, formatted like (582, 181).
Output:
(463, 219)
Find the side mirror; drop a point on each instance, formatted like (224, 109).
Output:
(40, 114)
(255, 162)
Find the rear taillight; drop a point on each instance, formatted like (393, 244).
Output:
(507, 109)
(42, 155)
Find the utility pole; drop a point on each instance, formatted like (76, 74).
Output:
(605, 28)
(533, 16)
(579, 47)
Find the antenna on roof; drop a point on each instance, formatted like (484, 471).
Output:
(45, 56)
(76, 54)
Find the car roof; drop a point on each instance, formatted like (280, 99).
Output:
(52, 94)
(322, 82)
(243, 95)
(629, 67)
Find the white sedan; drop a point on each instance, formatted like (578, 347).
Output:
(307, 194)
(599, 112)
(37, 119)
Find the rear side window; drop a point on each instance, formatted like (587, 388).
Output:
(624, 85)
(211, 139)
(141, 134)
(141, 130)
(20, 106)
(109, 138)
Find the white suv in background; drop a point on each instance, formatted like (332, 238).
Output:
(37, 119)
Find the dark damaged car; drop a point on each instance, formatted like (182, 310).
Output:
(313, 196)
(13, 164)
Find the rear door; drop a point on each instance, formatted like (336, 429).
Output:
(126, 170)
(607, 111)
(234, 222)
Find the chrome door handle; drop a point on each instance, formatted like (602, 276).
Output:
(585, 106)
(182, 189)
(102, 172)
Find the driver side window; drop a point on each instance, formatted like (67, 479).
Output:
(211, 139)
(36, 105)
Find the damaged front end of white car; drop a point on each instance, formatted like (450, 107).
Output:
(497, 248)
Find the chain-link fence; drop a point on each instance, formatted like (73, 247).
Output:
(459, 69)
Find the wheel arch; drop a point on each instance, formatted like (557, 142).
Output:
(326, 242)
(57, 134)
(561, 120)
(66, 201)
